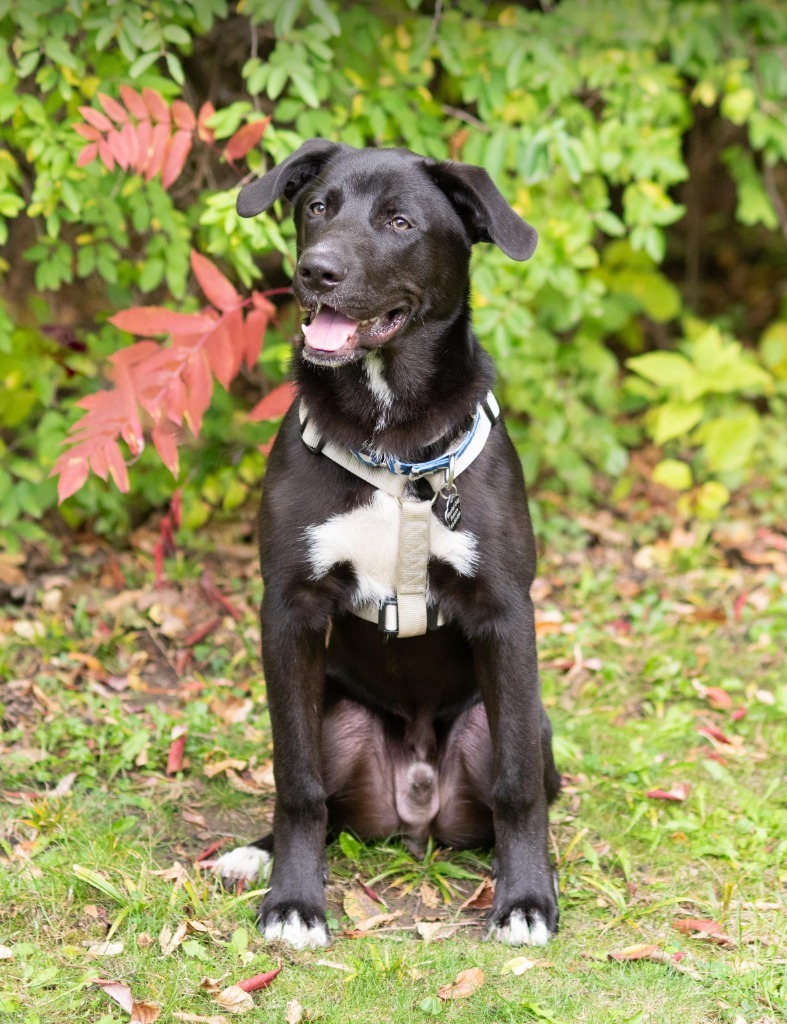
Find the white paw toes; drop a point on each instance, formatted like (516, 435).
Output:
(243, 864)
(517, 931)
(293, 930)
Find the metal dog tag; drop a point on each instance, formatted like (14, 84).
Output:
(453, 510)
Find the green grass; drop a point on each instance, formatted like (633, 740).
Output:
(626, 652)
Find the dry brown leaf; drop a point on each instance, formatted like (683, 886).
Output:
(235, 1000)
(518, 965)
(705, 930)
(211, 985)
(145, 940)
(210, 770)
(429, 895)
(6, 953)
(242, 785)
(104, 948)
(642, 951)
(169, 940)
(434, 931)
(481, 898)
(466, 983)
(358, 906)
(118, 991)
(376, 920)
(177, 874)
(334, 965)
(232, 709)
(144, 1013)
(294, 1012)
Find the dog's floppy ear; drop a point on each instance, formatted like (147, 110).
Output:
(482, 207)
(287, 178)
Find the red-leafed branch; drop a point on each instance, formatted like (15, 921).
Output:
(172, 383)
(144, 134)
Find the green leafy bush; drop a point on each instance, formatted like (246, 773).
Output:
(647, 141)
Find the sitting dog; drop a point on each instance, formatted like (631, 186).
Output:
(396, 548)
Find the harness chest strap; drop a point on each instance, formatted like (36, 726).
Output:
(409, 615)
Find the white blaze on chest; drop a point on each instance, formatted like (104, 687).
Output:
(368, 538)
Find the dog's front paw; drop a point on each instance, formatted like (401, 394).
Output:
(521, 928)
(243, 864)
(526, 922)
(294, 924)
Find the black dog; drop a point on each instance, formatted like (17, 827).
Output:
(439, 732)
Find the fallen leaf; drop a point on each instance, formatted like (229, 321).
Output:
(232, 709)
(235, 1000)
(104, 948)
(642, 951)
(701, 928)
(368, 924)
(481, 898)
(466, 983)
(435, 931)
(144, 1013)
(176, 750)
(169, 940)
(294, 1012)
(211, 985)
(678, 792)
(211, 770)
(6, 953)
(259, 981)
(334, 965)
(359, 907)
(118, 991)
(518, 965)
(145, 940)
(429, 895)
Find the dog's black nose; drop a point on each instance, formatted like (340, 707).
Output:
(321, 271)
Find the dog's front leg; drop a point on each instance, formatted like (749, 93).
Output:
(294, 662)
(525, 904)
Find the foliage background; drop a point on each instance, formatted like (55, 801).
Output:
(645, 344)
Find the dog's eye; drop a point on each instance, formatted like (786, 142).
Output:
(318, 209)
(401, 223)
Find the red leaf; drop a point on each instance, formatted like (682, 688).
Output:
(274, 404)
(87, 131)
(144, 136)
(199, 381)
(117, 467)
(157, 106)
(219, 842)
(176, 750)
(96, 118)
(214, 284)
(259, 980)
(130, 142)
(73, 473)
(158, 151)
(712, 732)
(119, 149)
(678, 793)
(87, 154)
(134, 102)
(157, 320)
(177, 153)
(245, 139)
(215, 596)
(165, 438)
(718, 698)
(738, 714)
(705, 929)
(113, 108)
(183, 115)
(206, 111)
(106, 154)
(223, 358)
(197, 636)
(254, 335)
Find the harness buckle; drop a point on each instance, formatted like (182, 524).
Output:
(388, 617)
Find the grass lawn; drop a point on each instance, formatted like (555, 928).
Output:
(664, 673)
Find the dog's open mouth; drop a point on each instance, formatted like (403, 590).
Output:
(330, 334)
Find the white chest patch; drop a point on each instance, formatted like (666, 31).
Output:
(368, 538)
(381, 392)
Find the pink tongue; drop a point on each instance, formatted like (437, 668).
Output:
(329, 331)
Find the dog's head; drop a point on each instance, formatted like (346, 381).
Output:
(384, 239)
